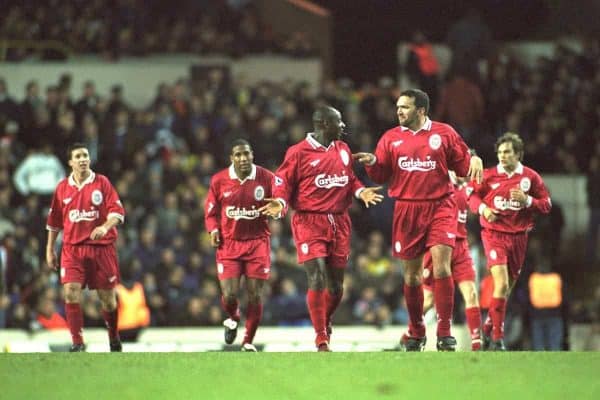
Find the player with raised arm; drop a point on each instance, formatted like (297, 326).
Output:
(414, 158)
(317, 180)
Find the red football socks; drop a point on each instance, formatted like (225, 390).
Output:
(317, 308)
(332, 302)
(253, 317)
(443, 297)
(75, 322)
(111, 318)
(497, 313)
(473, 315)
(487, 325)
(414, 304)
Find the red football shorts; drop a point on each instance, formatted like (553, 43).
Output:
(462, 266)
(96, 267)
(505, 249)
(420, 225)
(251, 258)
(322, 236)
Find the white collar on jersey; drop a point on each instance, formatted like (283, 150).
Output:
(426, 126)
(88, 180)
(233, 175)
(518, 170)
(315, 143)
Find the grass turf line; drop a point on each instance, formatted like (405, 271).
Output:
(513, 375)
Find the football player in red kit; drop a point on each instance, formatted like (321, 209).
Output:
(86, 207)
(317, 180)
(240, 233)
(414, 158)
(507, 199)
(463, 269)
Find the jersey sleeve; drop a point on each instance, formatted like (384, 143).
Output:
(212, 207)
(381, 171)
(540, 198)
(474, 196)
(458, 154)
(286, 177)
(54, 221)
(355, 183)
(113, 202)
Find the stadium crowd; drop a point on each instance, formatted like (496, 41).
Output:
(116, 28)
(161, 158)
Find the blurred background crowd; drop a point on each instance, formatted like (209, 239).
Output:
(161, 157)
(117, 28)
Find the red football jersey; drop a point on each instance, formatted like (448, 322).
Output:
(316, 178)
(494, 192)
(416, 164)
(78, 210)
(232, 205)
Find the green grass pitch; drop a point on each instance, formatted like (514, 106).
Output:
(330, 376)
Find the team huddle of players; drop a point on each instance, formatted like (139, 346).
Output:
(431, 174)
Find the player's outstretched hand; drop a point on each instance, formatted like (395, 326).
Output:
(475, 169)
(370, 196)
(272, 209)
(364, 158)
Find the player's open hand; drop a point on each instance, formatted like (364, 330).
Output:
(98, 233)
(52, 259)
(475, 169)
(369, 196)
(273, 208)
(490, 214)
(364, 158)
(215, 239)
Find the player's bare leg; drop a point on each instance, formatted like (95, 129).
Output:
(74, 315)
(254, 311)
(229, 301)
(110, 313)
(413, 293)
(315, 299)
(497, 310)
(443, 295)
(472, 312)
(333, 295)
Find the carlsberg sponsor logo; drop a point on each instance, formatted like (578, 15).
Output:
(500, 203)
(83, 215)
(329, 181)
(411, 164)
(237, 213)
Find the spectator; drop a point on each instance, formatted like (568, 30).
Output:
(546, 294)
(470, 40)
(461, 105)
(593, 200)
(422, 65)
(39, 172)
